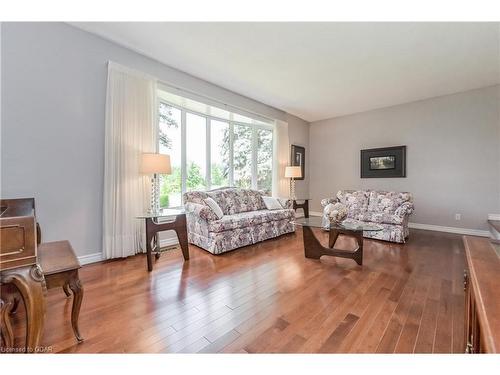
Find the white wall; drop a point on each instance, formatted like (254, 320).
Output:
(52, 119)
(453, 155)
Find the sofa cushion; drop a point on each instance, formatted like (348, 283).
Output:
(272, 203)
(251, 218)
(387, 201)
(234, 201)
(214, 206)
(380, 217)
(356, 201)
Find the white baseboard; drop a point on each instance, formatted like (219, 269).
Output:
(493, 216)
(438, 228)
(97, 257)
(90, 258)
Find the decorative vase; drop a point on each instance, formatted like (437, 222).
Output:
(336, 212)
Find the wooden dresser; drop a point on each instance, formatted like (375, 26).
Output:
(19, 269)
(482, 296)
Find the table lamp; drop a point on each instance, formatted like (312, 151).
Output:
(293, 173)
(154, 164)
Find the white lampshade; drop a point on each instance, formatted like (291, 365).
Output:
(293, 172)
(155, 163)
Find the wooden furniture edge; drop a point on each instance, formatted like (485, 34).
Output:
(495, 224)
(487, 335)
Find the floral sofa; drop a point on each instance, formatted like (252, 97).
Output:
(387, 208)
(246, 220)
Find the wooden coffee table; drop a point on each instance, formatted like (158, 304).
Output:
(314, 249)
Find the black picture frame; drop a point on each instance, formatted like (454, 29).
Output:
(386, 162)
(298, 159)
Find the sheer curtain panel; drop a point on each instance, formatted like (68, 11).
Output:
(281, 149)
(130, 131)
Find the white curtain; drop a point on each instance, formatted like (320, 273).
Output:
(281, 149)
(130, 131)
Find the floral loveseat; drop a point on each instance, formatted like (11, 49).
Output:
(387, 208)
(246, 220)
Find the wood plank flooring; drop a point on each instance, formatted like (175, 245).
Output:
(268, 298)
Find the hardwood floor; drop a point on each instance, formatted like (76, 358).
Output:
(268, 298)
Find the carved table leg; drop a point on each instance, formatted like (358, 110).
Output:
(30, 283)
(6, 332)
(66, 290)
(76, 287)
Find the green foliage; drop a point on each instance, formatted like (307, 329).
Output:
(169, 183)
(219, 175)
(168, 120)
(242, 161)
(163, 200)
(194, 179)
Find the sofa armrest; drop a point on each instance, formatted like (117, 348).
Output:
(286, 202)
(200, 210)
(327, 201)
(404, 210)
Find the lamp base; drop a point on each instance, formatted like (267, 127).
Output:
(154, 206)
(292, 189)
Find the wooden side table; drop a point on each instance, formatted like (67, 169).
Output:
(168, 219)
(60, 268)
(304, 206)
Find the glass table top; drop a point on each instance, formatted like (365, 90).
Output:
(166, 212)
(349, 224)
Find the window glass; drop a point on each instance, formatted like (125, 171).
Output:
(196, 156)
(169, 139)
(219, 153)
(264, 158)
(235, 145)
(242, 160)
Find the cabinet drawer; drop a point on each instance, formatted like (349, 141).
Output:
(17, 243)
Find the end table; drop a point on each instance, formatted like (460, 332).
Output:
(304, 206)
(167, 219)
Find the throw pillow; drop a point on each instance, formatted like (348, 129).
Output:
(272, 203)
(215, 207)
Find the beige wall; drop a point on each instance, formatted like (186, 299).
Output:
(453, 155)
(298, 132)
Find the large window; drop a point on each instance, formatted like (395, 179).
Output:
(210, 147)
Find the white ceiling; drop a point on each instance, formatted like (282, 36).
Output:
(322, 70)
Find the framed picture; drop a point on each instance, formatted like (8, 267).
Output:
(383, 162)
(298, 158)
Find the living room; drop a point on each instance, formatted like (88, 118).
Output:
(335, 190)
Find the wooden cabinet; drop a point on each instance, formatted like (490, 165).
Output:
(17, 233)
(20, 272)
(482, 297)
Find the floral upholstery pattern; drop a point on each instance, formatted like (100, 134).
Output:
(246, 220)
(389, 209)
(202, 210)
(234, 201)
(387, 201)
(356, 201)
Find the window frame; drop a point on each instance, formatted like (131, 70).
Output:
(254, 124)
